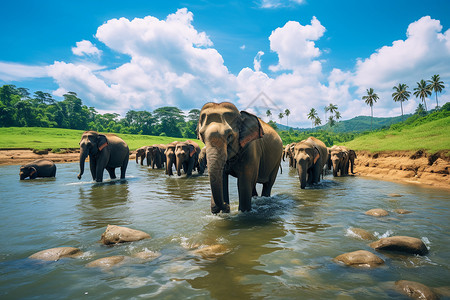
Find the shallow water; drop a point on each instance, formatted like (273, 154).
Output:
(283, 248)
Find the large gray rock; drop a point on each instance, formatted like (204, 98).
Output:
(56, 253)
(117, 234)
(106, 262)
(402, 244)
(377, 212)
(360, 258)
(416, 290)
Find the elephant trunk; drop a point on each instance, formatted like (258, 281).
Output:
(216, 158)
(336, 167)
(83, 154)
(179, 164)
(137, 156)
(302, 174)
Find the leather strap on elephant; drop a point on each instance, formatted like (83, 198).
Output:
(316, 154)
(102, 146)
(33, 172)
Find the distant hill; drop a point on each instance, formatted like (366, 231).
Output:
(357, 124)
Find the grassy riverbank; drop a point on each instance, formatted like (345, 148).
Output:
(56, 138)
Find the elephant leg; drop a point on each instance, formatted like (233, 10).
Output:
(254, 192)
(267, 187)
(246, 184)
(111, 172)
(123, 169)
(99, 173)
(190, 166)
(226, 195)
(93, 167)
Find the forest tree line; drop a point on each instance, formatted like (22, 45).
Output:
(20, 108)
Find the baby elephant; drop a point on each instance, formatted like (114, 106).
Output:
(38, 168)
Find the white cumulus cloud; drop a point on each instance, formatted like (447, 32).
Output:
(86, 48)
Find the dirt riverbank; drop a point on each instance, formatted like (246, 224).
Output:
(413, 167)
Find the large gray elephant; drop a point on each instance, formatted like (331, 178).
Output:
(351, 156)
(310, 157)
(170, 157)
(38, 168)
(142, 154)
(241, 145)
(186, 154)
(105, 152)
(156, 156)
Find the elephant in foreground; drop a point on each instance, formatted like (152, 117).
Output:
(38, 168)
(142, 154)
(310, 156)
(156, 156)
(170, 157)
(105, 152)
(241, 145)
(186, 154)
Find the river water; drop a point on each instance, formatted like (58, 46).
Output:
(283, 248)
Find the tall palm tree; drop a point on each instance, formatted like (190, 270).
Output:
(280, 116)
(422, 91)
(312, 116)
(317, 121)
(370, 99)
(401, 94)
(436, 85)
(268, 113)
(332, 108)
(287, 112)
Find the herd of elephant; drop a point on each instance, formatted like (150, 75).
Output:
(186, 156)
(311, 156)
(237, 143)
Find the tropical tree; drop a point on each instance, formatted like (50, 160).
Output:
(280, 116)
(332, 108)
(337, 115)
(331, 121)
(422, 91)
(268, 113)
(317, 121)
(436, 85)
(370, 99)
(312, 115)
(420, 111)
(401, 94)
(287, 112)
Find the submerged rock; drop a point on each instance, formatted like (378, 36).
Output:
(106, 262)
(211, 252)
(416, 290)
(377, 212)
(117, 234)
(361, 234)
(56, 253)
(402, 244)
(147, 255)
(395, 195)
(360, 258)
(402, 211)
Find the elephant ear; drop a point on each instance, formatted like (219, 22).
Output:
(316, 154)
(191, 150)
(102, 142)
(250, 129)
(33, 173)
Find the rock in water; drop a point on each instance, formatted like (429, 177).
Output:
(106, 262)
(360, 258)
(362, 234)
(56, 253)
(211, 252)
(377, 212)
(117, 234)
(402, 244)
(416, 290)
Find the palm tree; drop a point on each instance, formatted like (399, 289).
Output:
(331, 121)
(287, 112)
(370, 99)
(332, 108)
(312, 116)
(436, 85)
(280, 116)
(401, 94)
(422, 91)
(268, 113)
(317, 121)
(337, 115)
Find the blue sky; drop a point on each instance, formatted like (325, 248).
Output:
(301, 54)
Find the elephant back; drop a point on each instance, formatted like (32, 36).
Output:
(118, 150)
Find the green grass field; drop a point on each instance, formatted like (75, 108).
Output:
(54, 138)
(431, 136)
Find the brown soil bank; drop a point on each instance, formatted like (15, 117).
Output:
(407, 166)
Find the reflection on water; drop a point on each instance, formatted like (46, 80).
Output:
(283, 248)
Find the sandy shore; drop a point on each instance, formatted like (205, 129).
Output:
(412, 167)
